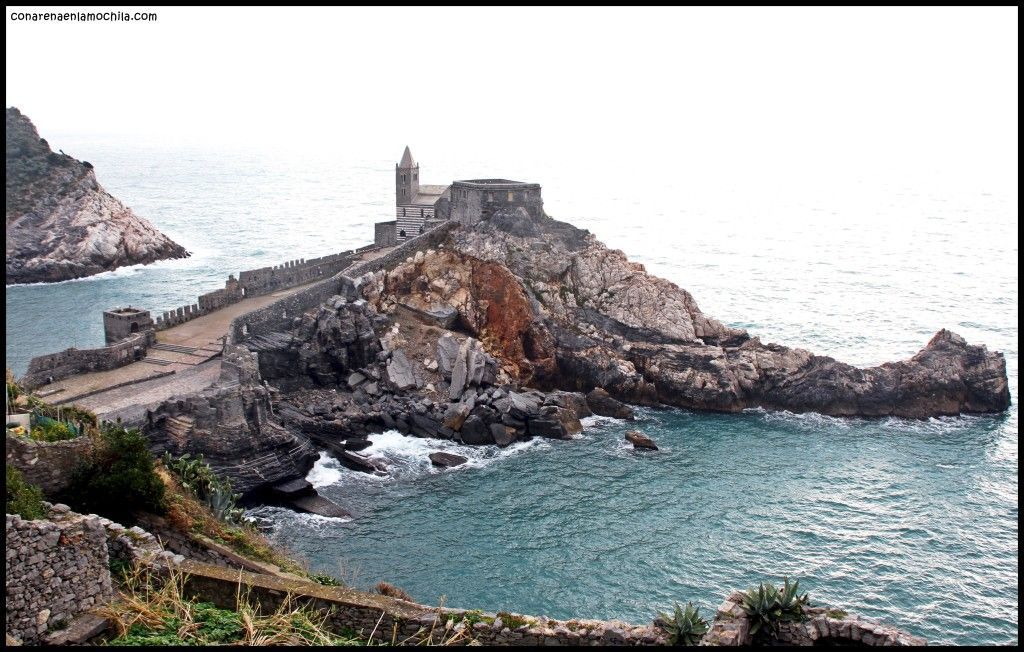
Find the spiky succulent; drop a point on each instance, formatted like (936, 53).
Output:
(767, 606)
(685, 627)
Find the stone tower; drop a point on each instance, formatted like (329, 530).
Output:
(407, 179)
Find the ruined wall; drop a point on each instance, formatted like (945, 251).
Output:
(56, 569)
(473, 201)
(47, 464)
(70, 362)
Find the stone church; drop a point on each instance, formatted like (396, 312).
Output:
(421, 207)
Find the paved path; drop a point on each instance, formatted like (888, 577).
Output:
(189, 350)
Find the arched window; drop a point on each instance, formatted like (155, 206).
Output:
(401, 234)
(135, 327)
(421, 212)
(421, 228)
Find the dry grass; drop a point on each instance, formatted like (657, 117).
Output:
(154, 610)
(393, 591)
(187, 514)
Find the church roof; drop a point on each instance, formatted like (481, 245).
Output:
(429, 195)
(407, 161)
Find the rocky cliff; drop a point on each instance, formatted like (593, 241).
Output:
(61, 224)
(561, 310)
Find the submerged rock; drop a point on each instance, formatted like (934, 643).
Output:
(447, 460)
(640, 440)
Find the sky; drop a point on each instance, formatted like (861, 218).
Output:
(753, 93)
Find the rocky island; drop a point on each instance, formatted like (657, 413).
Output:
(61, 223)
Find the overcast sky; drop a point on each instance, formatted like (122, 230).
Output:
(721, 88)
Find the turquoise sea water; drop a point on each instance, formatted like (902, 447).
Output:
(914, 522)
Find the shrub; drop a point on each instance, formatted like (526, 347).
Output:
(767, 606)
(685, 626)
(197, 476)
(119, 478)
(23, 499)
(47, 429)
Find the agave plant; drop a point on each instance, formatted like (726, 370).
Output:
(685, 627)
(766, 606)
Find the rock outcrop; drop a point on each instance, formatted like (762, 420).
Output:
(557, 309)
(640, 440)
(61, 224)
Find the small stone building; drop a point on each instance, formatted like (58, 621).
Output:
(119, 323)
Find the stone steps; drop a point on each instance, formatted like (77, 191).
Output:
(157, 361)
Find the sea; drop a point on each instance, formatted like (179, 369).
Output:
(913, 522)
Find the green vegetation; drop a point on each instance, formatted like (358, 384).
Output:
(476, 616)
(685, 626)
(196, 476)
(23, 499)
(511, 620)
(325, 579)
(837, 614)
(13, 389)
(118, 479)
(158, 612)
(767, 606)
(46, 429)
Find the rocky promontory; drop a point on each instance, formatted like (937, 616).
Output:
(61, 223)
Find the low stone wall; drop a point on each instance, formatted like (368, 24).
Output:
(48, 465)
(199, 548)
(69, 362)
(382, 616)
(431, 238)
(56, 569)
(824, 625)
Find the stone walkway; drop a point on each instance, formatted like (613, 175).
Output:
(182, 360)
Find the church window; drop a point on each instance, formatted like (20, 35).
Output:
(403, 212)
(401, 234)
(421, 212)
(490, 196)
(511, 196)
(421, 228)
(415, 176)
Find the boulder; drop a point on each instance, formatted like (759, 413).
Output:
(503, 435)
(292, 488)
(447, 460)
(357, 444)
(447, 352)
(317, 504)
(460, 372)
(456, 415)
(355, 379)
(606, 406)
(475, 431)
(400, 371)
(640, 440)
(359, 463)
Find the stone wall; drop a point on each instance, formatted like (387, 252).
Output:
(292, 273)
(472, 201)
(56, 569)
(48, 465)
(70, 362)
(824, 625)
(385, 234)
(279, 314)
(431, 238)
(368, 613)
(199, 548)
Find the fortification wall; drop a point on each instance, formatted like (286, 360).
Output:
(46, 464)
(257, 282)
(384, 234)
(431, 238)
(280, 313)
(56, 569)
(70, 362)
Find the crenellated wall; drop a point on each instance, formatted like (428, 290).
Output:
(69, 362)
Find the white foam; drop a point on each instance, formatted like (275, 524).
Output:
(325, 472)
(598, 422)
